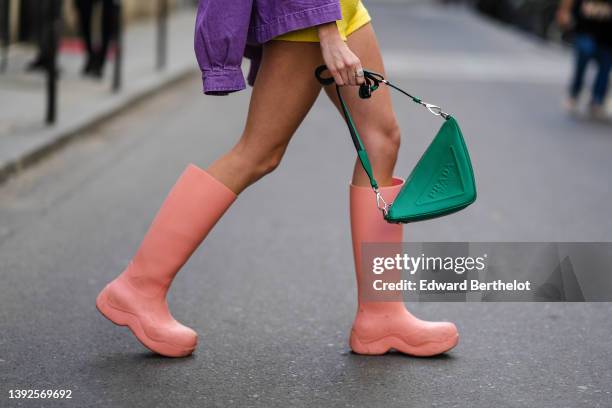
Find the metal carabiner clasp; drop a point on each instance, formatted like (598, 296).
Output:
(381, 203)
(436, 110)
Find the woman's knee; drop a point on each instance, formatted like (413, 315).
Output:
(383, 140)
(258, 161)
(269, 162)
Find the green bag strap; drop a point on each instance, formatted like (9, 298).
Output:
(372, 82)
(361, 151)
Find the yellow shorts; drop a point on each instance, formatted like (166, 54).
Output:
(354, 16)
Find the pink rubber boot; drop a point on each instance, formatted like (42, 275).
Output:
(137, 298)
(383, 325)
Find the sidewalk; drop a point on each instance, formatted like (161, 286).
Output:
(82, 102)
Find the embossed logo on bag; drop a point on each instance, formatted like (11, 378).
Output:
(445, 183)
(442, 183)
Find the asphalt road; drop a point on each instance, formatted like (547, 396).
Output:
(271, 291)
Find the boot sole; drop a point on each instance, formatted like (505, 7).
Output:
(123, 318)
(385, 344)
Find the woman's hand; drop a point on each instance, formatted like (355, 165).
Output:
(342, 63)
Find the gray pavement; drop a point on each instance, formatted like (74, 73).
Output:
(272, 294)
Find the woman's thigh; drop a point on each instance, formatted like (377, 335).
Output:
(283, 93)
(374, 117)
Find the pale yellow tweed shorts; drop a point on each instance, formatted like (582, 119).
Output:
(354, 16)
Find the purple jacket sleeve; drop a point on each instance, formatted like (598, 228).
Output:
(220, 39)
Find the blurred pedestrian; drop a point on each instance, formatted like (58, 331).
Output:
(592, 25)
(45, 16)
(96, 50)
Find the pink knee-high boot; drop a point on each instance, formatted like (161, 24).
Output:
(137, 298)
(382, 325)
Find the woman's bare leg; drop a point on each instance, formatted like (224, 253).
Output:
(382, 321)
(374, 117)
(283, 94)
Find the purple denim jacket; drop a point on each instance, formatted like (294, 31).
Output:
(227, 30)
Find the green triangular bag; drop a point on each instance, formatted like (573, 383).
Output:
(441, 183)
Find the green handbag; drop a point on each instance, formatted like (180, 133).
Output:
(441, 183)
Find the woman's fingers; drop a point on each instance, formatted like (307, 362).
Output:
(346, 68)
(359, 74)
(346, 78)
(350, 73)
(352, 77)
(337, 77)
(350, 69)
(354, 70)
(340, 76)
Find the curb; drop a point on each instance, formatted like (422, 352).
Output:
(62, 136)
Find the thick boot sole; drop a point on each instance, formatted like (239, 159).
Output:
(384, 344)
(124, 318)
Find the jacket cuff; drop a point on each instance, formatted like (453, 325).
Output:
(223, 81)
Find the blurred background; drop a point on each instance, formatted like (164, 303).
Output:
(93, 136)
(533, 16)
